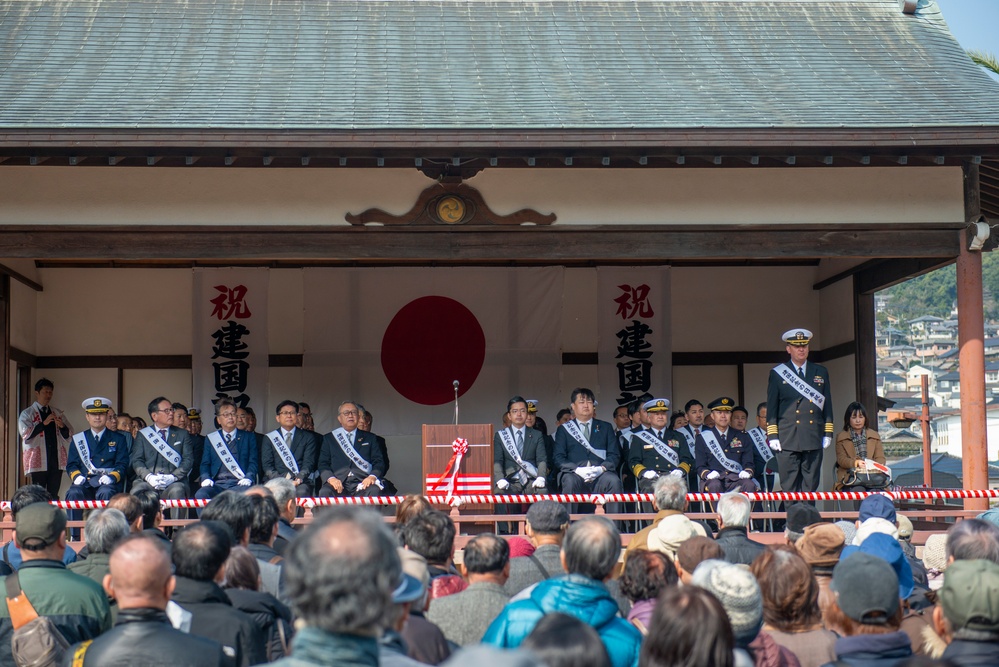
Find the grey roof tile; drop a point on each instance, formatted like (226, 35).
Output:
(464, 64)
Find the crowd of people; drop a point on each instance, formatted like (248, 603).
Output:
(243, 586)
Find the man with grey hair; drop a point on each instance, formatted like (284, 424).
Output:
(545, 525)
(464, 616)
(103, 530)
(590, 553)
(973, 539)
(733, 528)
(669, 498)
(284, 496)
(341, 573)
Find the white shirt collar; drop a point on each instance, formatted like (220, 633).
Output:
(97, 434)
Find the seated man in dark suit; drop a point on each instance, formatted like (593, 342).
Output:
(230, 459)
(350, 462)
(289, 451)
(587, 451)
(163, 455)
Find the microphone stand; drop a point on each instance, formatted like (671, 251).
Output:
(455, 402)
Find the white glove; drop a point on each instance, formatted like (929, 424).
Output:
(167, 480)
(502, 484)
(713, 475)
(595, 471)
(80, 479)
(775, 445)
(744, 474)
(151, 479)
(207, 482)
(826, 441)
(650, 474)
(582, 471)
(678, 474)
(539, 483)
(244, 482)
(105, 479)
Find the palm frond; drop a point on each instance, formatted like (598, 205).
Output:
(986, 60)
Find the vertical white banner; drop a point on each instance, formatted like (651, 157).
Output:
(634, 340)
(230, 350)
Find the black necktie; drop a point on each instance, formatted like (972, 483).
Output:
(44, 412)
(801, 372)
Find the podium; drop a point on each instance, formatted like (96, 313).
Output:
(476, 473)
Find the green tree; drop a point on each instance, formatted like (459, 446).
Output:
(985, 59)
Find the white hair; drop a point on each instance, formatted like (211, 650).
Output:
(734, 508)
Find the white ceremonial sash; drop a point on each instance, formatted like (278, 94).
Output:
(661, 447)
(573, 429)
(691, 439)
(80, 440)
(283, 450)
(165, 450)
(802, 387)
(348, 449)
(511, 448)
(761, 443)
(716, 450)
(222, 450)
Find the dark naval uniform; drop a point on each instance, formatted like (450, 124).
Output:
(108, 451)
(643, 457)
(334, 462)
(798, 424)
(736, 446)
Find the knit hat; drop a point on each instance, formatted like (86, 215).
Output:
(673, 531)
(739, 593)
(821, 545)
(970, 595)
(872, 526)
(849, 529)
(935, 552)
(889, 550)
(866, 588)
(878, 505)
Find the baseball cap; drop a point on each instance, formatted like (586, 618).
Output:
(878, 505)
(866, 588)
(970, 595)
(890, 551)
(39, 525)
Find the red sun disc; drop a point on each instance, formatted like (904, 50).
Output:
(431, 342)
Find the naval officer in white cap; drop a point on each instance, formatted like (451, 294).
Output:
(799, 414)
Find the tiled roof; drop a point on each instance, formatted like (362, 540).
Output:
(463, 64)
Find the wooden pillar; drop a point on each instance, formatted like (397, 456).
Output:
(971, 342)
(865, 360)
(8, 431)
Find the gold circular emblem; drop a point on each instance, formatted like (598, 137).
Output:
(450, 210)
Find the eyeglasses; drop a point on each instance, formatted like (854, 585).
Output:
(227, 415)
(346, 413)
(286, 413)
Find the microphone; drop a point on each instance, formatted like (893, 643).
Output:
(455, 383)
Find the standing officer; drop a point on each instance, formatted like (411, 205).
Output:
(230, 459)
(587, 451)
(350, 461)
(658, 450)
(289, 451)
(799, 414)
(724, 455)
(97, 459)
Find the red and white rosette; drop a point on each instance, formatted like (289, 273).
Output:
(460, 448)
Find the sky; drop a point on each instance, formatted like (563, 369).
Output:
(975, 23)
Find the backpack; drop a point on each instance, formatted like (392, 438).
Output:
(36, 641)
